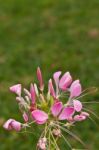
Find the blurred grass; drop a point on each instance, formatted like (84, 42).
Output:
(55, 35)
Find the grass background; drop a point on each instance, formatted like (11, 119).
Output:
(55, 35)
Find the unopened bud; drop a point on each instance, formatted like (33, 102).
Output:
(36, 89)
(20, 100)
(42, 143)
(27, 93)
(27, 99)
(25, 117)
(48, 95)
(40, 79)
(42, 98)
(57, 132)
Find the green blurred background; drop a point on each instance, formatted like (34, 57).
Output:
(55, 35)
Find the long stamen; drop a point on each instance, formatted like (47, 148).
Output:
(93, 121)
(91, 112)
(93, 102)
(64, 124)
(49, 136)
(91, 90)
(64, 94)
(54, 140)
(31, 123)
(69, 145)
(26, 132)
(72, 134)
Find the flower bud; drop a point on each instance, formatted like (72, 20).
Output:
(40, 79)
(36, 89)
(57, 132)
(27, 93)
(25, 117)
(51, 88)
(42, 143)
(33, 94)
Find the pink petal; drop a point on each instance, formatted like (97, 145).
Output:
(7, 124)
(25, 117)
(85, 114)
(65, 81)
(56, 108)
(40, 79)
(66, 113)
(51, 88)
(56, 77)
(33, 94)
(16, 125)
(39, 116)
(75, 89)
(77, 105)
(79, 118)
(16, 89)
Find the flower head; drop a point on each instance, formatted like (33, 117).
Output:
(56, 111)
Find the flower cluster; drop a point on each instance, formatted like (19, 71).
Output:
(48, 109)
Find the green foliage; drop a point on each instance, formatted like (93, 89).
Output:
(55, 35)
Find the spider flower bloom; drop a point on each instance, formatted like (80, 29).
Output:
(16, 89)
(12, 124)
(40, 79)
(48, 109)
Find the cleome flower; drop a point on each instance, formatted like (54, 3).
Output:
(57, 110)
